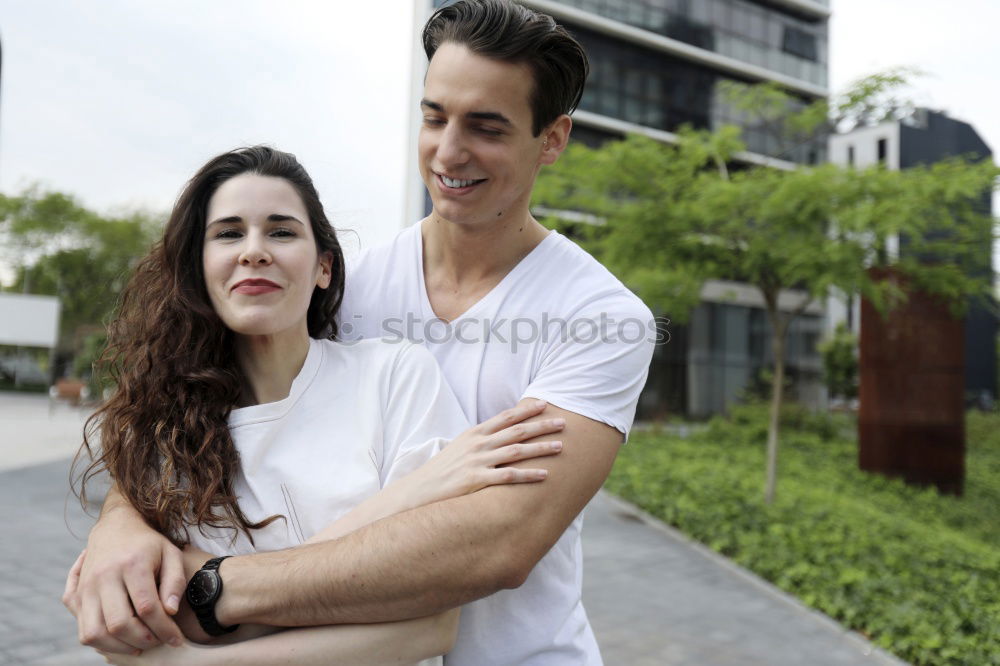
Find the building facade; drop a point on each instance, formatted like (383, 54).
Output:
(657, 65)
(926, 137)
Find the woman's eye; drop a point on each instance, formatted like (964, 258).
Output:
(229, 233)
(283, 233)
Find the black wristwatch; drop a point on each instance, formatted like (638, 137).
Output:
(203, 591)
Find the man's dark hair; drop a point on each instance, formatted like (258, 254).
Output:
(504, 30)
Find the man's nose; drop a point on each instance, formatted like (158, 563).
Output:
(452, 149)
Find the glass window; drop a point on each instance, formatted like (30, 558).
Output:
(800, 43)
(721, 15)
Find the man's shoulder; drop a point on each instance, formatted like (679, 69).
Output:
(372, 261)
(574, 281)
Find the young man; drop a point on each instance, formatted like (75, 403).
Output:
(513, 313)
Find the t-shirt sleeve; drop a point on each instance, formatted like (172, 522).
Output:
(420, 413)
(597, 365)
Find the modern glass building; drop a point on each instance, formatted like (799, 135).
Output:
(659, 64)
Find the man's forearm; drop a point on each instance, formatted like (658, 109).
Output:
(383, 572)
(428, 559)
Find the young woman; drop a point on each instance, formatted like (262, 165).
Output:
(238, 424)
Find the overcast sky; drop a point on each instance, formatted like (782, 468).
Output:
(118, 101)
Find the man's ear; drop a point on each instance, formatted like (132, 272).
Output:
(554, 139)
(325, 270)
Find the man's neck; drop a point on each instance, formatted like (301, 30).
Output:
(462, 263)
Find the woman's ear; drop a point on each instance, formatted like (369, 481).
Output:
(325, 270)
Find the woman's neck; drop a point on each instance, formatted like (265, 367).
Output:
(270, 363)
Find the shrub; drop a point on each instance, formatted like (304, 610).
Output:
(917, 572)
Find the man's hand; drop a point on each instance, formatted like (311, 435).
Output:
(112, 590)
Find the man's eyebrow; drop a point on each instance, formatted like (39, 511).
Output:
(494, 116)
(490, 115)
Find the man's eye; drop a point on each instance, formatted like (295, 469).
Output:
(433, 122)
(489, 131)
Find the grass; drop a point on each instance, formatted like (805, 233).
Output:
(917, 572)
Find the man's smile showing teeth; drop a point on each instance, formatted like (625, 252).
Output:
(456, 183)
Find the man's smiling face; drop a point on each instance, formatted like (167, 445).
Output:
(477, 155)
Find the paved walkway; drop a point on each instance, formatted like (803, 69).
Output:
(654, 598)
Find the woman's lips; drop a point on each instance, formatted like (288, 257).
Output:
(255, 287)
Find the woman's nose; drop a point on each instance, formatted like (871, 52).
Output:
(254, 252)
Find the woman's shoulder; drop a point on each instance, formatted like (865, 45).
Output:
(388, 351)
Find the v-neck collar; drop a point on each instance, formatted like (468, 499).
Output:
(498, 288)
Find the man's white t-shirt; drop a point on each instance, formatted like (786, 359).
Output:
(558, 327)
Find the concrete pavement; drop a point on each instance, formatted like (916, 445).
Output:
(654, 598)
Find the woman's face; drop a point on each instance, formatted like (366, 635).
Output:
(259, 256)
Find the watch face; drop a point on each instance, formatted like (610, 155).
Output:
(203, 588)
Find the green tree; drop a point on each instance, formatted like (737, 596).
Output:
(672, 216)
(58, 247)
(840, 362)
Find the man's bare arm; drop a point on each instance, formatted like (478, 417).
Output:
(431, 558)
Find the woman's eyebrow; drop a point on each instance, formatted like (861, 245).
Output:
(278, 217)
(225, 220)
(273, 217)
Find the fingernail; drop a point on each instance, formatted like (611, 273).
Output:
(559, 422)
(175, 642)
(542, 473)
(173, 603)
(540, 403)
(556, 446)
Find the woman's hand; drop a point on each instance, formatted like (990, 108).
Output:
(477, 458)
(193, 559)
(188, 654)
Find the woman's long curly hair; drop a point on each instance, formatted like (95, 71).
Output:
(164, 435)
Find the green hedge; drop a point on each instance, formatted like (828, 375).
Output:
(917, 572)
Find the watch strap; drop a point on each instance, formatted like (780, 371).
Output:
(206, 614)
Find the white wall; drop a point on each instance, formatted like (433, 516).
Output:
(29, 321)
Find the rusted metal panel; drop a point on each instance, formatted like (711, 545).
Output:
(911, 420)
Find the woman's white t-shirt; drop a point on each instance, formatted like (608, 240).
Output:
(358, 416)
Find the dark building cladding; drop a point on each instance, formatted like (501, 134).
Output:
(932, 137)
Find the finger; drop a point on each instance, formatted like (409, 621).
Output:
(158, 627)
(509, 417)
(120, 618)
(508, 475)
(70, 598)
(172, 580)
(515, 452)
(92, 630)
(523, 431)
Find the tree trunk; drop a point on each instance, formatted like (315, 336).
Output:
(778, 328)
